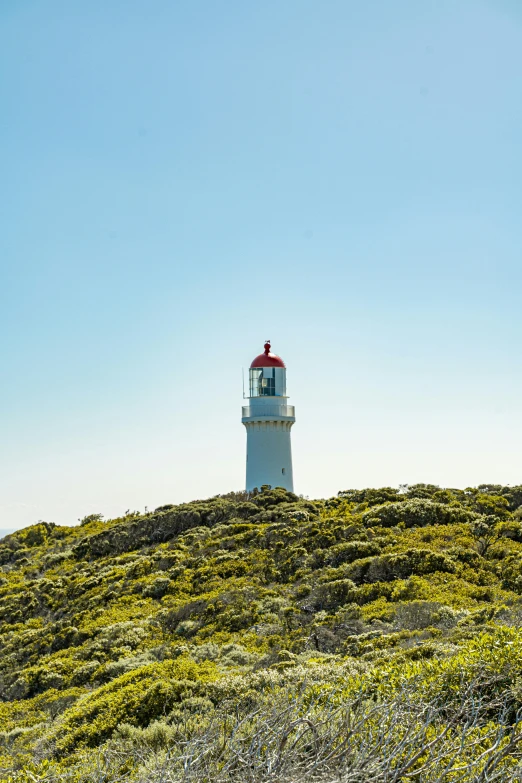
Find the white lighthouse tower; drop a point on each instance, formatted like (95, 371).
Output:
(268, 421)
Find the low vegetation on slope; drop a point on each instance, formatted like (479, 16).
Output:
(374, 636)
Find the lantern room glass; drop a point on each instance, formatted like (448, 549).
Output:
(267, 382)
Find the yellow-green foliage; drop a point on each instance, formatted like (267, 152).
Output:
(136, 698)
(167, 616)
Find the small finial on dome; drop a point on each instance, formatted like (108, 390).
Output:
(267, 347)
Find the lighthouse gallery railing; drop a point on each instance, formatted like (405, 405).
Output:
(263, 411)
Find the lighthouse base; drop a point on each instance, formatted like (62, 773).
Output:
(269, 454)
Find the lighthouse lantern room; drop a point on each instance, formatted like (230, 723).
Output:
(268, 421)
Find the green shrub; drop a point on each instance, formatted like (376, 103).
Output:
(113, 624)
(414, 615)
(137, 697)
(372, 497)
(335, 593)
(417, 513)
(349, 551)
(90, 518)
(400, 565)
(158, 588)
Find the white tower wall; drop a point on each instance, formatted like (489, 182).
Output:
(269, 454)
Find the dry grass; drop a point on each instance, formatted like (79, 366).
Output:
(477, 738)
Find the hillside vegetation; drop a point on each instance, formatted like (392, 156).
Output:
(374, 636)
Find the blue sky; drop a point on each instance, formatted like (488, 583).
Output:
(182, 180)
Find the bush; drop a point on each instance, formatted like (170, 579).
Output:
(349, 551)
(90, 518)
(158, 588)
(137, 697)
(372, 497)
(415, 615)
(399, 566)
(281, 597)
(417, 513)
(335, 593)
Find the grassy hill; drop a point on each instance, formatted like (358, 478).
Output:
(374, 636)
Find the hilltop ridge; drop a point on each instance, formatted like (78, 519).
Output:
(255, 626)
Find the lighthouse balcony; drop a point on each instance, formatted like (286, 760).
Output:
(254, 412)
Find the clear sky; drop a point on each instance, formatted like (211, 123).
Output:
(182, 180)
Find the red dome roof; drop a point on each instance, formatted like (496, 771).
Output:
(267, 359)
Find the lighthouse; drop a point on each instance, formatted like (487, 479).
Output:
(268, 421)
